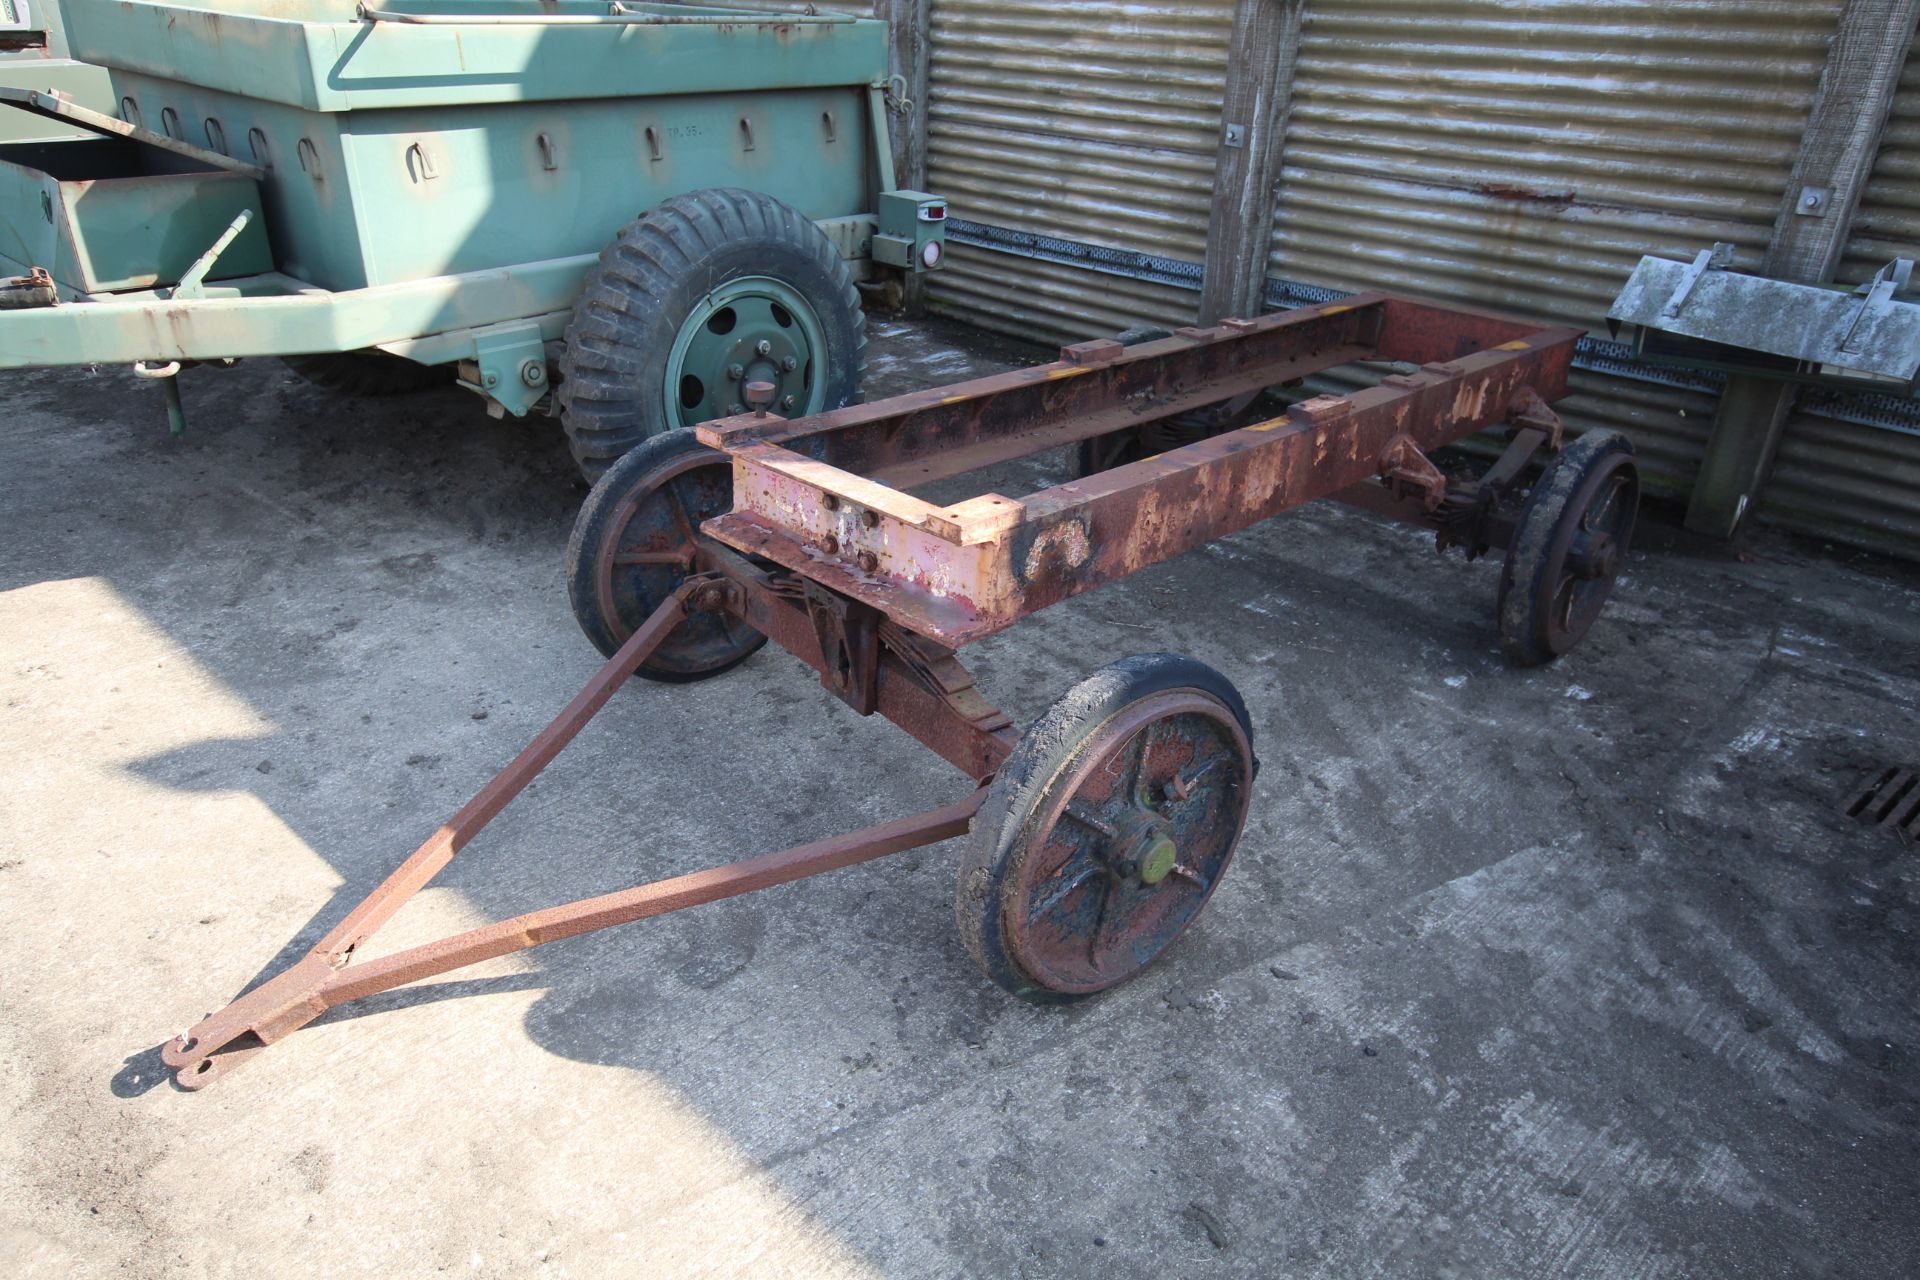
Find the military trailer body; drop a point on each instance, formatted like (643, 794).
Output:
(440, 186)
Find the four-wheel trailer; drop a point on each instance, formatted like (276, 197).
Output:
(1096, 837)
(621, 213)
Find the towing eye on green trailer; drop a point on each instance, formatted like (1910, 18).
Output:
(1096, 837)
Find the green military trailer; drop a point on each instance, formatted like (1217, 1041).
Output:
(622, 214)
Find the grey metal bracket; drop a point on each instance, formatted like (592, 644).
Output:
(1714, 259)
(1878, 294)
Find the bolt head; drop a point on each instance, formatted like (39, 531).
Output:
(787, 402)
(736, 407)
(790, 364)
(763, 348)
(533, 373)
(736, 371)
(868, 562)
(490, 380)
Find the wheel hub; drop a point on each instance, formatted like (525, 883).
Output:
(751, 329)
(1143, 848)
(1594, 555)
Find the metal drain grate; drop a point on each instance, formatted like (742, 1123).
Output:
(1891, 798)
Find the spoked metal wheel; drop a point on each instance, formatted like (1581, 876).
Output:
(1568, 548)
(1107, 829)
(634, 543)
(754, 329)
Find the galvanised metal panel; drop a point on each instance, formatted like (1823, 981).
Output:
(1524, 156)
(1858, 484)
(1049, 301)
(1092, 122)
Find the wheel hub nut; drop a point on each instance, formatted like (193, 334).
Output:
(1143, 847)
(1158, 859)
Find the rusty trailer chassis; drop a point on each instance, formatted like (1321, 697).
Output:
(1072, 881)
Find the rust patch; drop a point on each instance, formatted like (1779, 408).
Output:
(1554, 200)
(1065, 545)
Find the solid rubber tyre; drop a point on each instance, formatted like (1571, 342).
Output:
(632, 315)
(1048, 768)
(368, 373)
(1545, 606)
(632, 508)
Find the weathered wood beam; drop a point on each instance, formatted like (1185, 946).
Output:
(1844, 127)
(909, 48)
(1253, 128)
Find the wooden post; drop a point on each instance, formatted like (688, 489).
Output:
(1253, 128)
(908, 46)
(909, 43)
(1842, 136)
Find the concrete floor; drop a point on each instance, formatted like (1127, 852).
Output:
(1575, 972)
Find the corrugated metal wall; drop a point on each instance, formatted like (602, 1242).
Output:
(1517, 156)
(1841, 479)
(1092, 122)
(1524, 157)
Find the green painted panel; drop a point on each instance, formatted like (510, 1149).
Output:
(275, 323)
(346, 65)
(121, 215)
(461, 189)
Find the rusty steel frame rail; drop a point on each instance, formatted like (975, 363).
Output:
(325, 978)
(815, 494)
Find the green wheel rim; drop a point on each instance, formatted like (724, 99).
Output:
(751, 329)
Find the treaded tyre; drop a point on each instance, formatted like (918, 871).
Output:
(368, 373)
(633, 545)
(698, 296)
(1568, 547)
(1107, 828)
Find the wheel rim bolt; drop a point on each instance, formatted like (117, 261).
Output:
(787, 402)
(789, 364)
(763, 348)
(735, 372)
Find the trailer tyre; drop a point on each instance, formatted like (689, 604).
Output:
(368, 373)
(699, 296)
(1107, 828)
(1568, 547)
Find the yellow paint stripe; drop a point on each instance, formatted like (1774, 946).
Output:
(1518, 344)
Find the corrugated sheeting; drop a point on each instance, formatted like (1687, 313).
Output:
(1837, 479)
(1858, 484)
(1093, 122)
(1524, 156)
